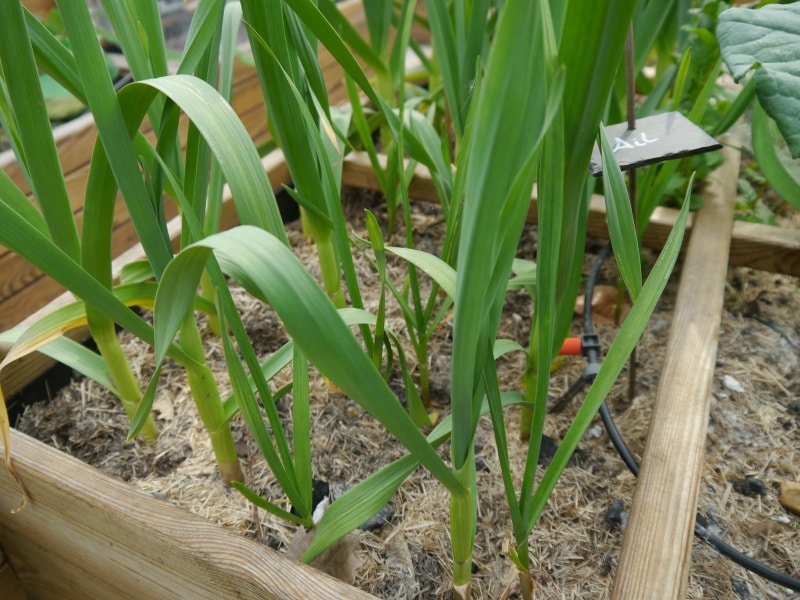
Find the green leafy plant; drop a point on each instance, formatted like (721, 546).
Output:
(525, 86)
(514, 134)
(48, 236)
(750, 205)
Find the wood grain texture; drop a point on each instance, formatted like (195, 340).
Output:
(87, 535)
(41, 8)
(9, 582)
(656, 552)
(773, 249)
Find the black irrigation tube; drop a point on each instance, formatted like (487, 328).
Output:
(701, 523)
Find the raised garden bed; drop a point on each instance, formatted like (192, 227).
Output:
(25, 535)
(402, 529)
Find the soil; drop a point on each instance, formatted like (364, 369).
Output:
(754, 432)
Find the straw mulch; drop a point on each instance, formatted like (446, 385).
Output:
(754, 432)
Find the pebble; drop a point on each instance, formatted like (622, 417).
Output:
(616, 515)
(749, 486)
(740, 588)
(595, 432)
(732, 383)
(790, 496)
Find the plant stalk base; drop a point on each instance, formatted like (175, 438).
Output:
(462, 592)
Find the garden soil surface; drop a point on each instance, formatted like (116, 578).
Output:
(751, 448)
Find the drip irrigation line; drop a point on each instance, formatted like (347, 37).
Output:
(701, 523)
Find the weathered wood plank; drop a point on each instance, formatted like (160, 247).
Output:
(656, 553)
(9, 582)
(773, 249)
(86, 535)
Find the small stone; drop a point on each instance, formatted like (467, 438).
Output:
(732, 383)
(740, 588)
(790, 496)
(616, 515)
(595, 432)
(749, 486)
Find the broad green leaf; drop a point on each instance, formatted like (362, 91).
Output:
(649, 22)
(767, 38)
(328, 15)
(227, 138)
(551, 263)
(460, 33)
(274, 445)
(145, 407)
(140, 35)
(231, 21)
(136, 271)
(26, 241)
(358, 316)
(114, 132)
(494, 399)
(737, 108)
(400, 45)
(173, 300)
(297, 125)
(333, 34)
(420, 127)
(681, 78)
(782, 171)
(590, 48)
(206, 17)
(524, 275)
(379, 22)
(69, 317)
